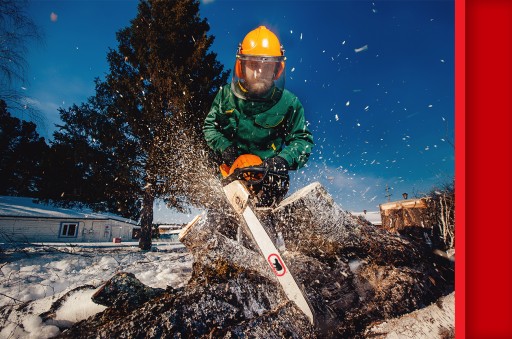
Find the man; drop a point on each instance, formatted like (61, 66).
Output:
(257, 115)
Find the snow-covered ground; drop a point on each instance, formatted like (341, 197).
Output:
(37, 277)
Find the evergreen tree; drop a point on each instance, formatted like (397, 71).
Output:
(22, 152)
(144, 123)
(91, 160)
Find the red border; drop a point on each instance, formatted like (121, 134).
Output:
(488, 304)
(460, 174)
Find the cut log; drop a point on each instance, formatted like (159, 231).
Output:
(312, 223)
(216, 254)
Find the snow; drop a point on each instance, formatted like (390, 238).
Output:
(361, 49)
(44, 274)
(36, 329)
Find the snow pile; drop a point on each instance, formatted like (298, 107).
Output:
(36, 329)
(55, 285)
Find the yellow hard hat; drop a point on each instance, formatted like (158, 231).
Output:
(261, 41)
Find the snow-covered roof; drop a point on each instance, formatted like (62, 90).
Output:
(31, 208)
(373, 216)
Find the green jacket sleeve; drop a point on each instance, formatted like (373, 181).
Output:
(298, 139)
(213, 124)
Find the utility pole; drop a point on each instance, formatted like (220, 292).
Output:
(388, 195)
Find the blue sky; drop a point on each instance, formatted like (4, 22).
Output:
(376, 80)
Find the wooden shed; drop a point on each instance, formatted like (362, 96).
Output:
(397, 215)
(25, 220)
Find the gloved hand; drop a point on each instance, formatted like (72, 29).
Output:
(229, 155)
(276, 164)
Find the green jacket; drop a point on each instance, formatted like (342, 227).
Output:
(266, 129)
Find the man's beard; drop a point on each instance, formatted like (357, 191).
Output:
(259, 87)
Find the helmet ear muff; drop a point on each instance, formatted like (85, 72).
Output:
(238, 68)
(279, 70)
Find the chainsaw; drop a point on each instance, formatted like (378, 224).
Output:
(241, 185)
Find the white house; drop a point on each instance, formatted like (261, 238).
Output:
(25, 220)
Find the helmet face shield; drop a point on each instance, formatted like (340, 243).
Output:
(256, 77)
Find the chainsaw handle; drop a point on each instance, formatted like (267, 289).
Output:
(251, 172)
(247, 172)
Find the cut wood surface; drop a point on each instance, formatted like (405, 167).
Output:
(434, 321)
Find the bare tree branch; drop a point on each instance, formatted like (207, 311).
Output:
(17, 30)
